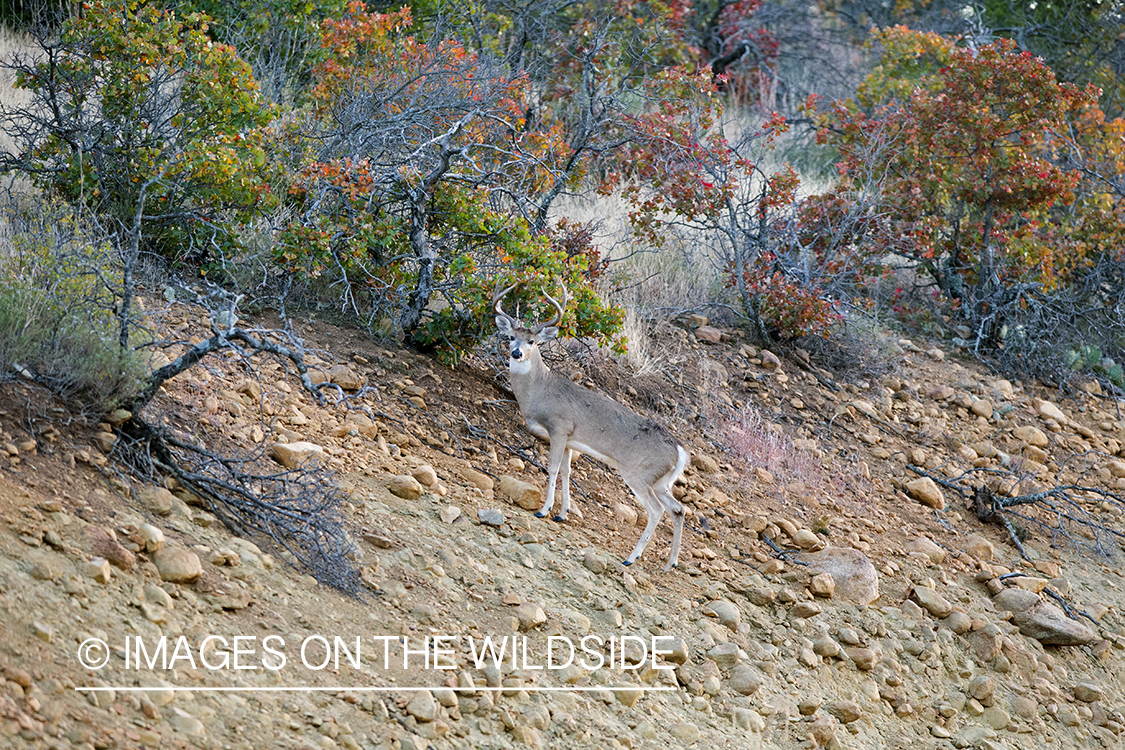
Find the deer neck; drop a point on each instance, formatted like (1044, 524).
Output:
(525, 374)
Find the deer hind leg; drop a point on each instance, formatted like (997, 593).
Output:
(557, 456)
(663, 491)
(677, 511)
(655, 510)
(564, 477)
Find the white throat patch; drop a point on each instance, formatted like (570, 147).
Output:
(519, 366)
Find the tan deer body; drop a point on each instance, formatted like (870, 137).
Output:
(573, 419)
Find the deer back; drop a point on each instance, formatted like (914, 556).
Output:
(596, 424)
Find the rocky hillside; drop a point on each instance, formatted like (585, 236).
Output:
(835, 588)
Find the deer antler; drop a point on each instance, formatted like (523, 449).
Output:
(558, 309)
(498, 300)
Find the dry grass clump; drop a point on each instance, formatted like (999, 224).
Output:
(758, 443)
(800, 470)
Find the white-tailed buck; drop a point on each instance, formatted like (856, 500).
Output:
(574, 420)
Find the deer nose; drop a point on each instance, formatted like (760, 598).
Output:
(516, 353)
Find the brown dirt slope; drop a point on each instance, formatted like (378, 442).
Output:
(913, 624)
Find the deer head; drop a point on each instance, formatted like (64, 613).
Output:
(523, 340)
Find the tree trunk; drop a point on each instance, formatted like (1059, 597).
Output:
(420, 197)
(424, 253)
(986, 267)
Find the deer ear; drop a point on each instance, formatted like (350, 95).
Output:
(504, 324)
(547, 333)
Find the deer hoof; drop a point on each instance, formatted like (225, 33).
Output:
(558, 519)
(540, 515)
(627, 562)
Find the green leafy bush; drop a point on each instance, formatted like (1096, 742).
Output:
(58, 319)
(138, 115)
(280, 39)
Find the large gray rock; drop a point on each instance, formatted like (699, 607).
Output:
(744, 680)
(491, 517)
(726, 613)
(725, 655)
(1042, 620)
(1089, 691)
(855, 577)
(1048, 624)
(422, 706)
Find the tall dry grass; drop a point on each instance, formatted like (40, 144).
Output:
(652, 284)
(11, 45)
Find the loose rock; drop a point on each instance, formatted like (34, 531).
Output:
(845, 711)
(865, 658)
(979, 547)
(530, 615)
(982, 408)
(926, 491)
(345, 377)
(491, 517)
(1048, 410)
(1049, 625)
(1030, 435)
(928, 548)
(422, 706)
(405, 486)
(854, 577)
(685, 732)
(726, 612)
(1088, 691)
(478, 479)
(822, 585)
(152, 537)
(807, 539)
(725, 655)
(526, 496)
(99, 570)
(296, 455)
(932, 602)
(177, 565)
(425, 475)
(709, 334)
(744, 680)
(156, 499)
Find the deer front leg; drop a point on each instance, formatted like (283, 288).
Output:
(564, 477)
(557, 455)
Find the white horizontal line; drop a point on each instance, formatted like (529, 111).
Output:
(382, 689)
